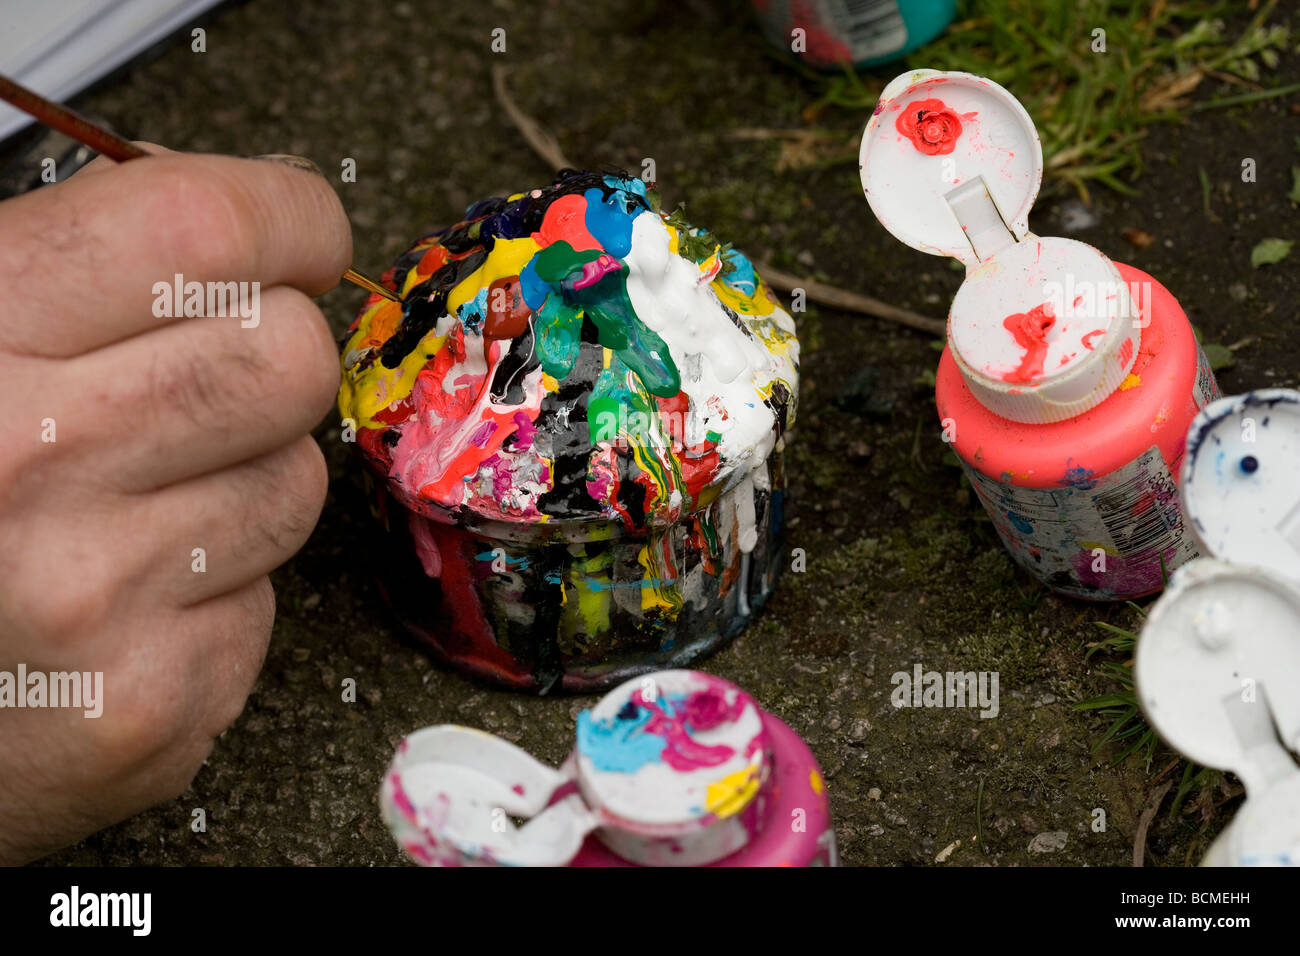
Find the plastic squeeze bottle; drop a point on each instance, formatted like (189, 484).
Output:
(676, 768)
(1218, 661)
(1068, 380)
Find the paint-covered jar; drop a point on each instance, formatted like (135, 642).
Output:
(830, 34)
(1068, 381)
(573, 425)
(675, 768)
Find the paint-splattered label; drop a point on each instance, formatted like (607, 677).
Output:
(835, 31)
(1094, 537)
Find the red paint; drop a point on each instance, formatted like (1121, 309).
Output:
(1108, 436)
(566, 219)
(932, 127)
(1087, 339)
(507, 313)
(1030, 332)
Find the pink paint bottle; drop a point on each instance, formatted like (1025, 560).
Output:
(1069, 380)
(676, 768)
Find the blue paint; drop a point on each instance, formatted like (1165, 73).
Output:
(532, 287)
(596, 584)
(518, 564)
(472, 312)
(609, 221)
(621, 745)
(741, 275)
(1078, 477)
(1023, 526)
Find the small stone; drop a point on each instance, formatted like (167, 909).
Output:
(1077, 215)
(873, 793)
(311, 602)
(946, 852)
(1238, 292)
(301, 654)
(1048, 842)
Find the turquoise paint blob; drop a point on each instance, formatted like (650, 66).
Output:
(472, 312)
(621, 745)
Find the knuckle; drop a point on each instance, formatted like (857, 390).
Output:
(209, 388)
(57, 607)
(212, 225)
(297, 479)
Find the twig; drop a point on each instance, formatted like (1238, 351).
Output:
(543, 143)
(1144, 822)
(838, 298)
(548, 148)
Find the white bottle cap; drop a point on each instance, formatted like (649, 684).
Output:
(1043, 329)
(1239, 481)
(672, 759)
(1216, 669)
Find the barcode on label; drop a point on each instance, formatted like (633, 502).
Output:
(874, 27)
(1141, 513)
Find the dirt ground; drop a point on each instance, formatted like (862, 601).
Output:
(902, 566)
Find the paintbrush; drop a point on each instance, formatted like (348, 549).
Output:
(116, 148)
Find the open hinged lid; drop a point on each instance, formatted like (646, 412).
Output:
(1240, 481)
(1216, 669)
(1043, 328)
(674, 755)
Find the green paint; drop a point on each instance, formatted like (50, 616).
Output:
(610, 309)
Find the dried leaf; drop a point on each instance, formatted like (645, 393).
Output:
(1138, 237)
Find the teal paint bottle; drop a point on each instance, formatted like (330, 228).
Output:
(860, 33)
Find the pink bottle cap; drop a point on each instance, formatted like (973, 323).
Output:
(1043, 328)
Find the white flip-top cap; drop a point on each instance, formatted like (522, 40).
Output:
(1042, 329)
(1240, 482)
(1216, 669)
(670, 760)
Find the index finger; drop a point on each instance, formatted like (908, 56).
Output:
(83, 263)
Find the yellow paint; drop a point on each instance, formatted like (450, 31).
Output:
(756, 304)
(363, 395)
(673, 244)
(815, 781)
(1130, 381)
(728, 796)
(514, 197)
(549, 383)
(508, 258)
(1094, 545)
(651, 597)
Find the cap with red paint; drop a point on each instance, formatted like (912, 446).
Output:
(1043, 328)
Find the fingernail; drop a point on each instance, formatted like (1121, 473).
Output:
(300, 162)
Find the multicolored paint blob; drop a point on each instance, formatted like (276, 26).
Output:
(581, 383)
